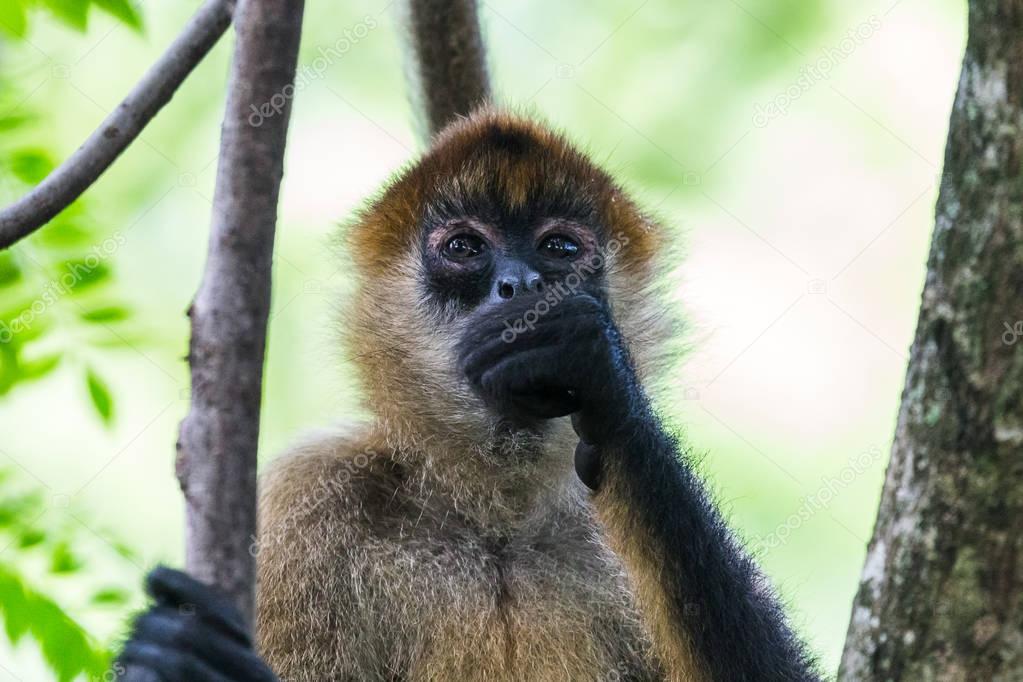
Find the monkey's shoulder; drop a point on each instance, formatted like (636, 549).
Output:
(337, 479)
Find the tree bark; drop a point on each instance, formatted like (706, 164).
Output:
(941, 596)
(217, 447)
(447, 60)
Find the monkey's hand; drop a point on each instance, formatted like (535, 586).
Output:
(530, 365)
(192, 632)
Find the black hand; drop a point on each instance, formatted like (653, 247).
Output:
(192, 632)
(569, 360)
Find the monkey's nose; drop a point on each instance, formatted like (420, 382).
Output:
(509, 286)
(506, 288)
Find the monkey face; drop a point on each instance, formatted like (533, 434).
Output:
(501, 216)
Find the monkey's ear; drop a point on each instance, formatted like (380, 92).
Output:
(178, 590)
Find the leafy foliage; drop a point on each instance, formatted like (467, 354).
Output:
(67, 648)
(59, 549)
(14, 14)
(58, 302)
(100, 396)
(57, 305)
(56, 308)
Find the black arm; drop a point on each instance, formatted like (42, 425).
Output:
(709, 609)
(661, 520)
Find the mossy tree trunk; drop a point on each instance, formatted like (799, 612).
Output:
(941, 596)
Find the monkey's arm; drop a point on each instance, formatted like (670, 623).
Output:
(710, 612)
(698, 591)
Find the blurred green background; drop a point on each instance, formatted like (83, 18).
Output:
(794, 145)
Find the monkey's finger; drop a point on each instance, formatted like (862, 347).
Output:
(141, 659)
(491, 351)
(167, 627)
(587, 465)
(177, 589)
(519, 322)
(530, 385)
(538, 307)
(591, 427)
(545, 405)
(556, 320)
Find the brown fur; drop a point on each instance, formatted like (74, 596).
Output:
(628, 538)
(423, 545)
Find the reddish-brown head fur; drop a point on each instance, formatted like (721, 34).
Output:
(494, 152)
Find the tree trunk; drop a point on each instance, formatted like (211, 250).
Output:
(941, 596)
(217, 448)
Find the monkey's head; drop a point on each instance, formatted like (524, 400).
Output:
(501, 213)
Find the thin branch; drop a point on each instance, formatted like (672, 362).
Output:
(67, 182)
(447, 60)
(217, 447)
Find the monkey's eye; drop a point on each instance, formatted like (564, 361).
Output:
(559, 246)
(464, 246)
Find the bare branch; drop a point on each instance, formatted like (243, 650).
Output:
(217, 447)
(67, 182)
(447, 60)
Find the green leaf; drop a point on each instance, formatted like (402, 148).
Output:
(110, 595)
(14, 509)
(123, 10)
(9, 270)
(110, 313)
(9, 366)
(30, 538)
(75, 13)
(63, 560)
(13, 21)
(22, 324)
(37, 369)
(84, 273)
(66, 647)
(31, 165)
(13, 120)
(100, 396)
(63, 232)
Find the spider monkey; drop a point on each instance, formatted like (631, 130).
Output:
(514, 510)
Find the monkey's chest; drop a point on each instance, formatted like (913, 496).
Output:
(530, 615)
